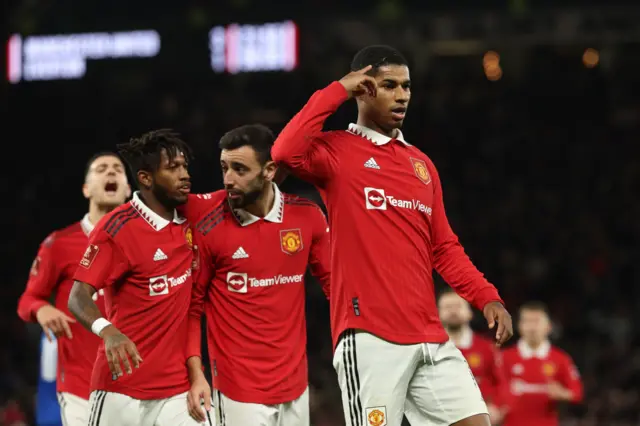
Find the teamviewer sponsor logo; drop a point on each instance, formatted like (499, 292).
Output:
(375, 199)
(240, 282)
(158, 286)
(237, 282)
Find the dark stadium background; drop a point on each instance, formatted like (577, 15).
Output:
(541, 167)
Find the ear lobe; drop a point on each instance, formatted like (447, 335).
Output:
(145, 179)
(85, 191)
(270, 170)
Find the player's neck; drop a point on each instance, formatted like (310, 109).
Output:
(534, 344)
(156, 206)
(96, 212)
(264, 203)
(370, 124)
(457, 335)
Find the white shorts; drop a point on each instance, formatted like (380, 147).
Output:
(74, 411)
(430, 383)
(116, 409)
(234, 413)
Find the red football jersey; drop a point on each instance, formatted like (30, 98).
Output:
(389, 229)
(52, 275)
(485, 363)
(250, 284)
(143, 263)
(528, 373)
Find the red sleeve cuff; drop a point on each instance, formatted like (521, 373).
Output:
(36, 306)
(486, 296)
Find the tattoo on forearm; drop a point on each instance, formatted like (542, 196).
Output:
(82, 306)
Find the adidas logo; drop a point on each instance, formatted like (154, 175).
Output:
(240, 254)
(159, 255)
(371, 164)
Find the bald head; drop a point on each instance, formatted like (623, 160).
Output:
(455, 312)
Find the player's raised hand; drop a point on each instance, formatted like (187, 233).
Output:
(54, 322)
(358, 83)
(119, 349)
(199, 394)
(495, 312)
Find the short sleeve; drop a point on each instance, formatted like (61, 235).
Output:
(103, 262)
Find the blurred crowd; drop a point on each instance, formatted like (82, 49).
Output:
(541, 177)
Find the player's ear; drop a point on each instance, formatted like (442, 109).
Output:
(85, 191)
(269, 170)
(144, 178)
(128, 192)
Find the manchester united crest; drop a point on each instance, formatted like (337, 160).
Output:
(291, 241)
(376, 416)
(420, 168)
(474, 360)
(189, 237)
(548, 369)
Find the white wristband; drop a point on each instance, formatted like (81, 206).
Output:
(98, 325)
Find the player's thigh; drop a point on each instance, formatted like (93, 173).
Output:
(172, 411)
(236, 413)
(113, 409)
(74, 411)
(296, 412)
(443, 390)
(373, 375)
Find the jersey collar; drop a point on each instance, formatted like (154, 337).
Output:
(527, 351)
(275, 214)
(371, 135)
(154, 219)
(86, 225)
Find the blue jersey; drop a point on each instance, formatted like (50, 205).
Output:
(47, 407)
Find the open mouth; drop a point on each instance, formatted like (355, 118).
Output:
(398, 113)
(185, 188)
(111, 188)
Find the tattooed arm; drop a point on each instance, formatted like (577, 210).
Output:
(117, 347)
(81, 304)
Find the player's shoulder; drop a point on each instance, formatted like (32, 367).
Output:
(300, 204)
(335, 138)
(62, 234)
(212, 210)
(208, 198)
(118, 222)
(482, 341)
(510, 352)
(559, 354)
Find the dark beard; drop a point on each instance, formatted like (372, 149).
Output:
(251, 196)
(163, 197)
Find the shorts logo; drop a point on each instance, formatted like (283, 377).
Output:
(158, 286)
(377, 416)
(237, 282)
(375, 199)
(420, 168)
(291, 241)
(89, 256)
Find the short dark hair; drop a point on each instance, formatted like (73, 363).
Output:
(445, 291)
(534, 305)
(377, 55)
(95, 156)
(257, 136)
(144, 153)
